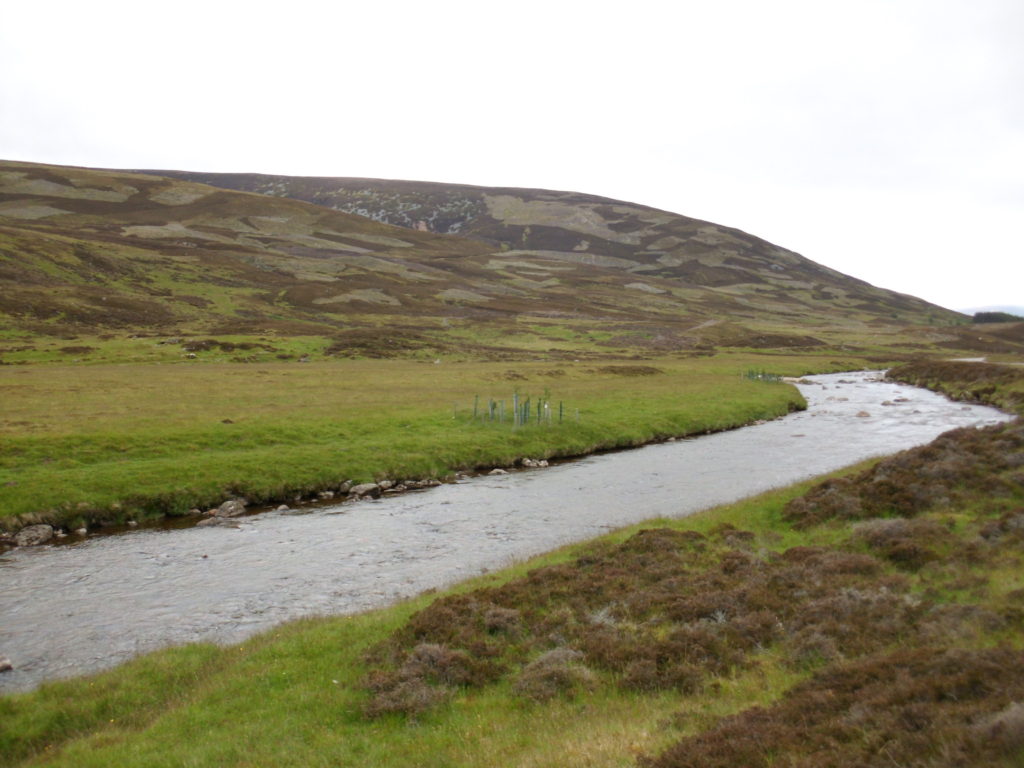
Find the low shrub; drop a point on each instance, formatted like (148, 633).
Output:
(952, 467)
(925, 706)
(557, 672)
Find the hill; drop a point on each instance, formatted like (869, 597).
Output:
(713, 270)
(386, 268)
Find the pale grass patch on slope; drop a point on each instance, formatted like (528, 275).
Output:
(459, 294)
(648, 216)
(645, 288)
(369, 295)
(666, 243)
(172, 229)
(25, 210)
(591, 259)
(180, 194)
(572, 216)
(390, 242)
(500, 263)
(16, 182)
(315, 277)
(386, 266)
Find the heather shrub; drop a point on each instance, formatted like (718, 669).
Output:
(909, 544)
(663, 610)
(405, 697)
(952, 467)
(919, 707)
(557, 672)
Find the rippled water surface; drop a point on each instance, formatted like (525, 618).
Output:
(81, 607)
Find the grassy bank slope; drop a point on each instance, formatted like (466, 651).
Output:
(819, 625)
(116, 442)
(991, 383)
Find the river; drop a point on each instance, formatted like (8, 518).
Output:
(80, 607)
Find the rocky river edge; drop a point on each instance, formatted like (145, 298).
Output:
(53, 527)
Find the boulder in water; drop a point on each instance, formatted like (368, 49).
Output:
(34, 535)
(231, 508)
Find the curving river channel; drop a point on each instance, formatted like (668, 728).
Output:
(81, 607)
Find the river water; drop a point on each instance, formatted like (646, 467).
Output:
(81, 607)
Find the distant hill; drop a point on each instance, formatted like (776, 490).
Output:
(1006, 308)
(712, 269)
(392, 265)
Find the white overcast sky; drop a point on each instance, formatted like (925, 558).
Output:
(883, 138)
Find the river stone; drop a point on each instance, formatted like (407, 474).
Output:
(386, 485)
(497, 471)
(34, 535)
(231, 508)
(226, 521)
(365, 489)
(5, 664)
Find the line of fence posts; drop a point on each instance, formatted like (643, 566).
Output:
(761, 375)
(523, 410)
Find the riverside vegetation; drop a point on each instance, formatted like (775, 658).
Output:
(119, 447)
(873, 617)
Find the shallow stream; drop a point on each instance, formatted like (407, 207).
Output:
(85, 606)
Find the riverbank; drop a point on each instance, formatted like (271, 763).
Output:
(138, 442)
(941, 576)
(930, 595)
(997, 384)
(108, 598)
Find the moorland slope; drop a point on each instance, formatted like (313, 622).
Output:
(377, 268)
(542, 236)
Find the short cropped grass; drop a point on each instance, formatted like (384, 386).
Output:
(115, 442)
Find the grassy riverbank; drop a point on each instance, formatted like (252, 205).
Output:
(998, 384)
(116, 442)
(827, 624)
(865, 614)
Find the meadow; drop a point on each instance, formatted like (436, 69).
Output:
(113, 442)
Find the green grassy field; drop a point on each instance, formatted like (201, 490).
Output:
(129, 441)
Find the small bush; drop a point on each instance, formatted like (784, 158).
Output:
(555, 673)
(406, 697)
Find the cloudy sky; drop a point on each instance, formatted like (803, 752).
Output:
(884, 138)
